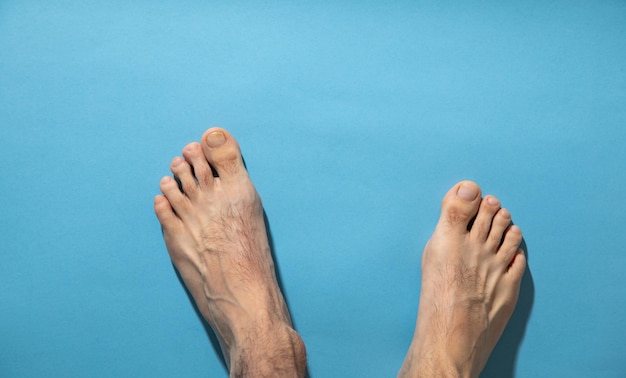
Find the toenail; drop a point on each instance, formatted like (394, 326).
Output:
(467, 192)
(504, 213)
(166, 180)
(492, 201)
(177, 161)
(216, 139)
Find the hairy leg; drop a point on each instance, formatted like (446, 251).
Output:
(215, 233)
(471, 273)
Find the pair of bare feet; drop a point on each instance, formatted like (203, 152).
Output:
(214, 230)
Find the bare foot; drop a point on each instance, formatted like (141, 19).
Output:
(215, 234)
(471, 273)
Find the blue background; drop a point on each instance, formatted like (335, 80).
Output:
(355, 118)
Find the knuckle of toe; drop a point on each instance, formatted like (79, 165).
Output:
(514, 238)
(190, 189)
(230, 165)
(456, 215)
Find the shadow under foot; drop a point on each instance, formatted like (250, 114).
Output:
(503, 359)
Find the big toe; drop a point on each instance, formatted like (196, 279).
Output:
(223, 153)
(460, 206)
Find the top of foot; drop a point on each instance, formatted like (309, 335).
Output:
(471, 272)
(214, 230)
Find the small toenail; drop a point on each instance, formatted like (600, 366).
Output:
(504, 213)
(166, 180)
(216, 139)
(467, 192)
(177, 161)
(492, 201)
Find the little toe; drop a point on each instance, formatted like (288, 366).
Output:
(165, 213)
(460, 206)
(501, 221)
(223, 153)
(177, 200)
(201, 169)
(510, 244)
(489, 206)
(182, 171)
(517, 266)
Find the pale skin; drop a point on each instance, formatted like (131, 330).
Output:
(470, 285)
(215, 233)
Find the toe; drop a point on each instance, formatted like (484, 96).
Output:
(165, 213)
(510, 245)
(177, 200)
(460, 206)
(195, 158)
(517, 266)
(501, 221)
(223, 153)
(182, 171)
(489, 206)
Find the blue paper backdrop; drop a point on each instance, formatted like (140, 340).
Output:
(355, 118)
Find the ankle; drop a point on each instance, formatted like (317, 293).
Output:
(432, 361)
(277, 350)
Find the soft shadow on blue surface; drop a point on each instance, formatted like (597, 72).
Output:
(207, 328)
(503, 360)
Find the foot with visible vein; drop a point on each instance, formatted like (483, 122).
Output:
(471, 273)
(214, 231)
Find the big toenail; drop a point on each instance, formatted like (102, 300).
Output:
(492, 201)
(467, 192)
(215, 139)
